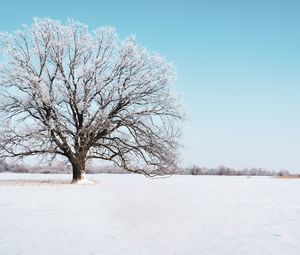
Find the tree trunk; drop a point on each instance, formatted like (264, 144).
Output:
(78, 168)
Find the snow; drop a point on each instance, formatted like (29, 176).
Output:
(130, 214)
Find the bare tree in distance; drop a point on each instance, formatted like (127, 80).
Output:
(80, 95)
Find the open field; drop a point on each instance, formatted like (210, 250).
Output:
(130, 214)
(289, 177)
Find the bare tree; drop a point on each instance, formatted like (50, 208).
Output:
(81, 95)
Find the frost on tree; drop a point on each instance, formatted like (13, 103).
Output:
(80, 95)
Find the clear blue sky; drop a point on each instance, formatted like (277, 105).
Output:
(238, 65)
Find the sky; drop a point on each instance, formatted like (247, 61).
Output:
(237, 62)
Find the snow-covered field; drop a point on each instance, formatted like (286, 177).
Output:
(130, 214)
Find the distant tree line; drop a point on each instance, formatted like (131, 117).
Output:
(62, 168)
(59, 167)
(223, 170)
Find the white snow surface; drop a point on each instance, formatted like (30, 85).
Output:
(131, 214)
